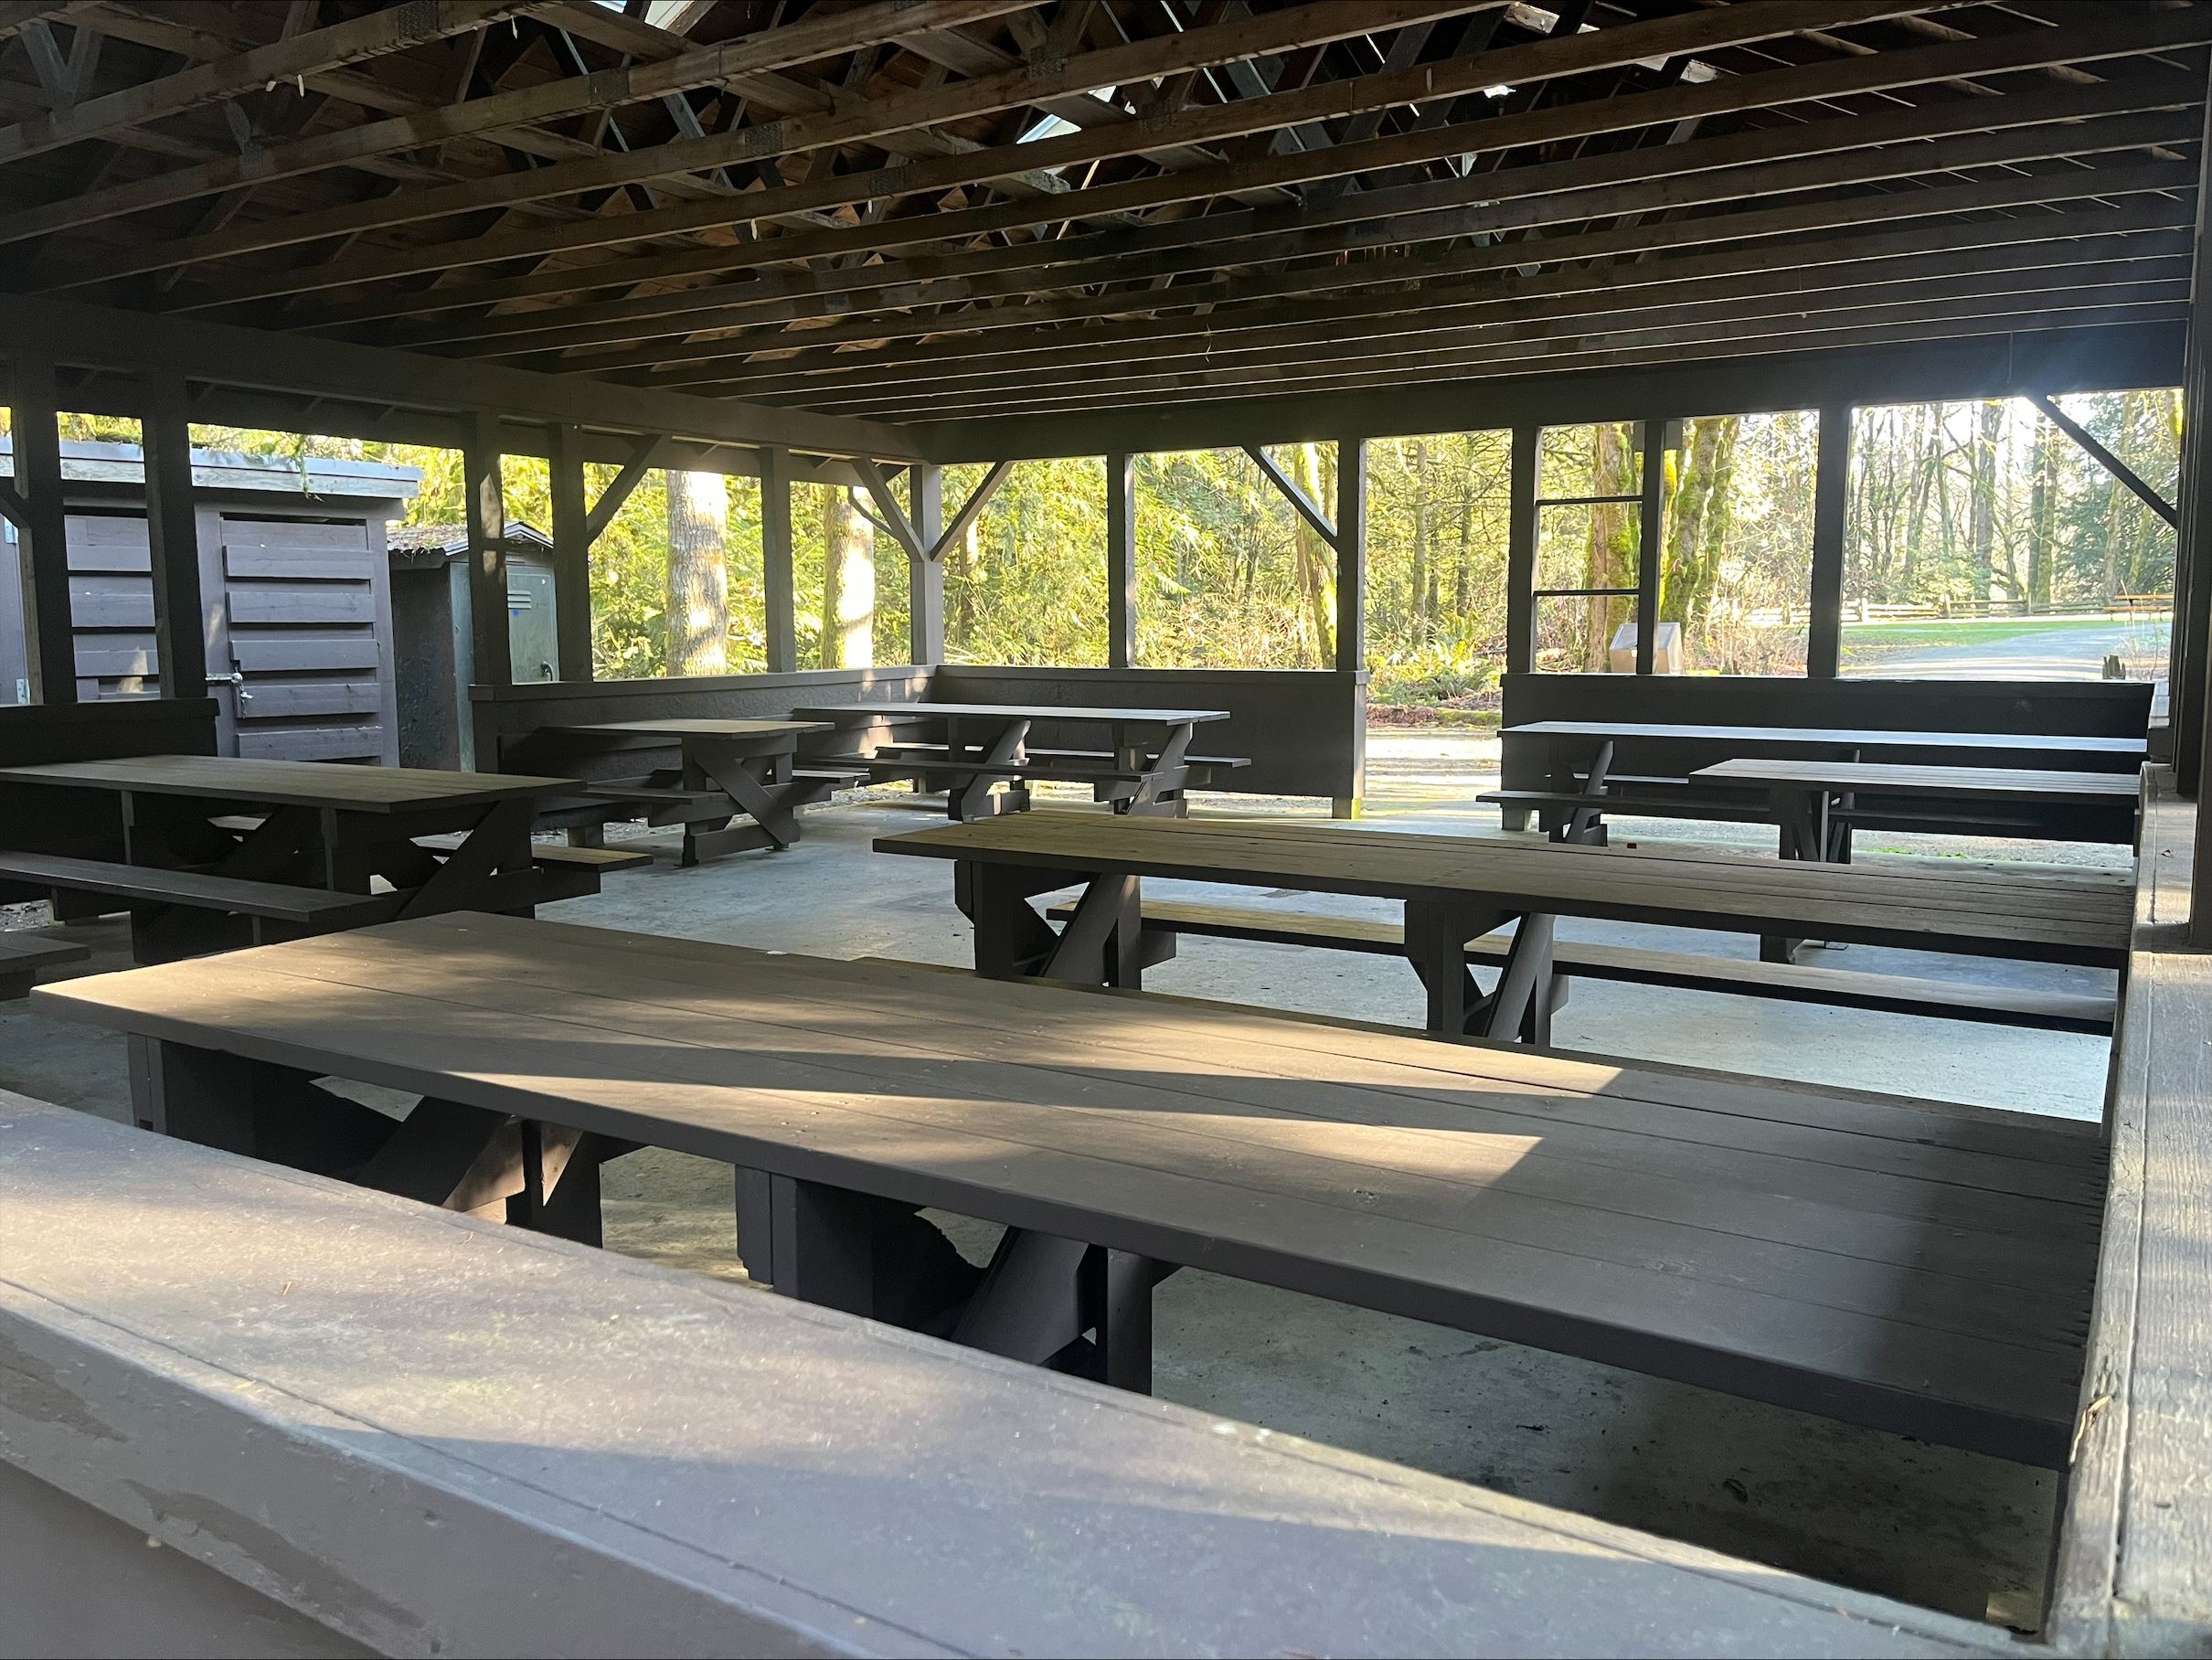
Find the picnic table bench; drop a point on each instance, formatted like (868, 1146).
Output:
(1144, 769)
(1917, 1267)
(221, 851)
(726, 769)
(1586, 783)
(24, 956)
(1455, 890)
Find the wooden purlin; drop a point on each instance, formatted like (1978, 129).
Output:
(1876, 73)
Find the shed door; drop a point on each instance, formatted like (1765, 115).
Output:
(304, 607)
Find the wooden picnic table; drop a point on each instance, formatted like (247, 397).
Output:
(1144, 769)
(1457, 889)
(1920, 1267)
(1804, 793)
(217, 848)
(727, 768)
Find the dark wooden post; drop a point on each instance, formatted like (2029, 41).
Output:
(1352, 596)
(571, 555)
(180, 616)
(776, 561)
(484, 497)
(1351, 553)
(48, 641)
(2187, 684)
(1651, 531)
(1831, 506)
(1521, 553)
(1121, 560)
(926, 585)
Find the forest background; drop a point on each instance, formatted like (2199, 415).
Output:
(1955, 509)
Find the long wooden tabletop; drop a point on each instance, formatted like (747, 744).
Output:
(1911, 1265)
(290, 783)
(677, 727)
(2082, 920)
(1896, 778)
(1007, 711)
(1855, 737)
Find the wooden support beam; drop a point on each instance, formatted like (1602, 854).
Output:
(2024, 251)
(1121, 560)
(864, 120)
(483, 499)
(926, 577)
(392, 30)
(572, 539)
(648, 453)
(133, 343)
(2189, 671)
(49, 636)
(1831, 512)
(1351, 545)
(17, 511)
(1651, 538)
(1877, 72)
(180, 618)
(2111, 463)
(1298, 498)
(752, 53)
(894, 517)
(781, 624)
(1350, 541)
(1521, 551)
(1755, 167)
(978, 499)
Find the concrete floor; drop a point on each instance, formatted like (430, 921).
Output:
(1950, 1530)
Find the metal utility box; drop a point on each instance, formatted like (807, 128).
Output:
(429, 582)
(292, 573)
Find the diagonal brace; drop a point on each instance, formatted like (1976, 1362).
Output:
(648, 453)
(2111, 463)
(1297, 497)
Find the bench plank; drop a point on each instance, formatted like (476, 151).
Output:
(1634, 965)
(553, 853)
(143, 884)
(1247, 1154)
(1892, 778)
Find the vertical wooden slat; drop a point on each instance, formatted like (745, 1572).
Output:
(571, 556)
(1521, 553)
(1649, 535)
(484, 496)
(1831, 503)
(926, 587)
(1121, 560)
(2187, 684)
(1352, 553)
(783, 635)
(49, 646)
(180, 616)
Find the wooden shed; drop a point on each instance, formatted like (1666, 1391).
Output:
(297, 596)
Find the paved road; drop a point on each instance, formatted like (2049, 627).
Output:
(2064, 653)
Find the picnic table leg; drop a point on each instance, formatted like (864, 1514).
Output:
(1011, 938)
(471, 877)
(1101, 943)
(267, 1112)
(854, 1252)
(1520, 1008)
(1160, 791)
(1436, 936)
(973, 799)
(750, 780)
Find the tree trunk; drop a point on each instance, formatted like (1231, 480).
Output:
(698, 574)
(848, 584)
(1612, 559)
(2043, 515)
(1984, 520)
(1316, 560)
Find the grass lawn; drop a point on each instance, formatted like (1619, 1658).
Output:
(1968, 631)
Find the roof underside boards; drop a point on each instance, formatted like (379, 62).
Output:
(951, 211)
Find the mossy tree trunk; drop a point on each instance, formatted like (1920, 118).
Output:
(698, 574)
